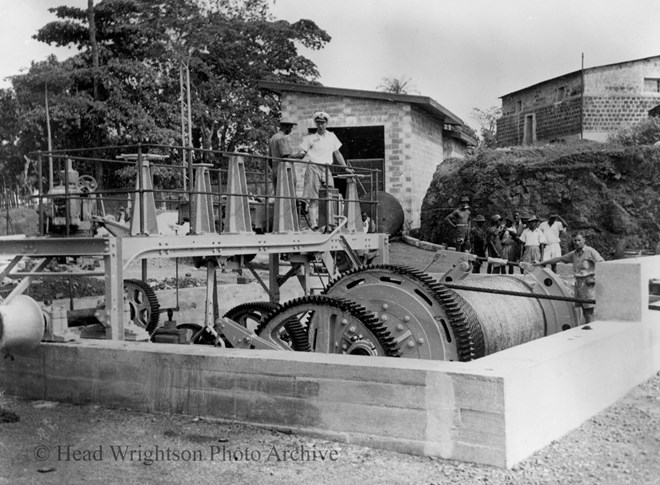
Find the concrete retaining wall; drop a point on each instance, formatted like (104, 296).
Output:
(496, 410)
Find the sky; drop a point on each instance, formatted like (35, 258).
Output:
(463, 54)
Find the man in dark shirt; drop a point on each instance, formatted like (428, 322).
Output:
(279, 146)
(478, 241)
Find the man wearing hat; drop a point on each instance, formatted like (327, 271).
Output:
(460, 219)
(322, 148)
(478, 241)
(553, 228)
(510, 244)
(533, 240)
(494, 243)
(279, 146)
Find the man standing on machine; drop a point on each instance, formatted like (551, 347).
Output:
(322, 148)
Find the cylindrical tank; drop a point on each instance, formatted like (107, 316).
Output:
(390, 213)
(21, 324)
(505, 321)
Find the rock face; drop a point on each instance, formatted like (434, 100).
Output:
(610, 193)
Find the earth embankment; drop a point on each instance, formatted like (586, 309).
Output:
(610, 193)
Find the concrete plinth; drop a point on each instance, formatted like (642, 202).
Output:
(497, 410)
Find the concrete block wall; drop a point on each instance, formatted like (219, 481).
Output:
(428, 153)
(453, 148)
(509, 132)
(553, 121)
(542, 94)
(614, 96)
(412, 149)
(623, 78)
(605, 115)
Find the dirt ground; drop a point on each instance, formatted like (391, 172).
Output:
(60, 443)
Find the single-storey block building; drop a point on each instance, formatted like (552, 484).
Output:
(402, 136)
(590, 103)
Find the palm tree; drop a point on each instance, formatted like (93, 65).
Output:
(400, 85)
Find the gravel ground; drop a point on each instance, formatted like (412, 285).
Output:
(618, 446)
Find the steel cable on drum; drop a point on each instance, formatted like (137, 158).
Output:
(454, 286)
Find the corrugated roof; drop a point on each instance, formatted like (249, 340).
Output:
(425, 103)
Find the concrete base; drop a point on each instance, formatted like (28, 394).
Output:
(497, 410)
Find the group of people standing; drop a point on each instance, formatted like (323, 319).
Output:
(518, 239)
(513, 238)
(510, 238)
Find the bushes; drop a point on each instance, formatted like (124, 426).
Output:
(646, 132)
(22, 220)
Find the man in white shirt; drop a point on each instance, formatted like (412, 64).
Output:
(322, 148)
(552, 229)
(534, 240)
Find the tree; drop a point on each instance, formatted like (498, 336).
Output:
(10, 156)
(226, 46)
(123, 86)
(644, 132)
(400, 85)
(487, 119)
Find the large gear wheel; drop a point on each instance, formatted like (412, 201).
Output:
(330, 325)
(249, 315)
(426, 319)
(252, 314)
(143, 303)
(194, 335)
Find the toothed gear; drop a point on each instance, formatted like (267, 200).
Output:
(425, 318)
(251, 315)
(143, 303)
(329, 325)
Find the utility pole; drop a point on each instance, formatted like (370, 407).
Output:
(189, 104)
(184, 138)
(94, 46)
(50, 144)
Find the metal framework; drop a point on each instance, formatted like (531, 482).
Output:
(213, 238)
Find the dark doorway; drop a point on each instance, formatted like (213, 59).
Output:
(362, 146)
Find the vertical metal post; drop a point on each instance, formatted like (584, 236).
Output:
(7, 213)
(143, 206)
(327, 198)
(267, 187)
(211, 294)
(41, 187)
(191, 184)
(373, 197)
(114, 289)
(140, 193)
(273, 275)
(67, 198)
